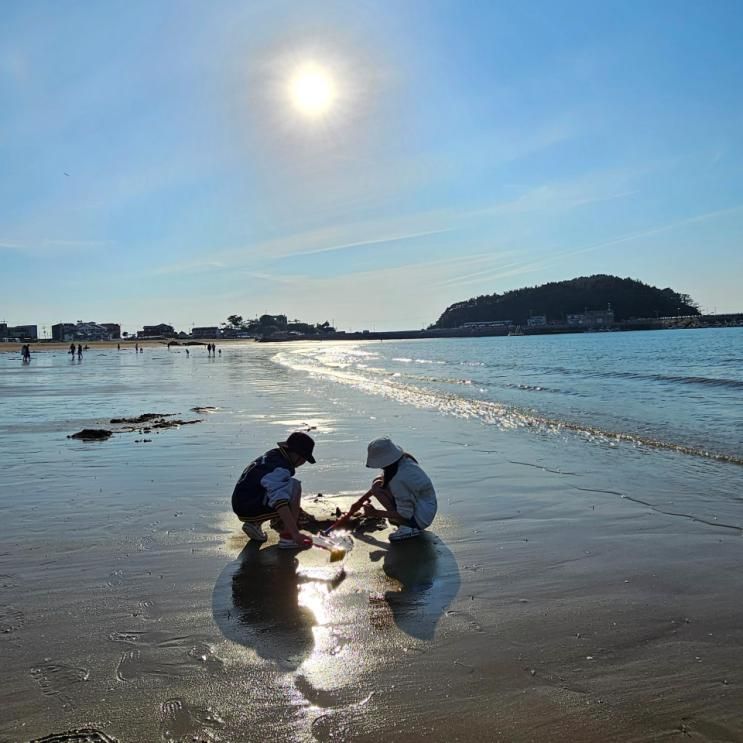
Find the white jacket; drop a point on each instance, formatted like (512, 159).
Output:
(413, 492)
(280, 487)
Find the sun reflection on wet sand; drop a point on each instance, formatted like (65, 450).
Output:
(327, 629)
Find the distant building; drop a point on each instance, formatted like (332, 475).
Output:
(536, 321)
(63, 331)
(487, 324)
(22, 332)
(592, 319)
(206, 332)
(3, 330)
(154, 331)
(113, 328)
(83, 331)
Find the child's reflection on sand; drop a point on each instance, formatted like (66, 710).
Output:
(256, 602)
(428, 577)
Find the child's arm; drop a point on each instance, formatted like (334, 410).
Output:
(384, 496)
(377, 513)
(283, 495)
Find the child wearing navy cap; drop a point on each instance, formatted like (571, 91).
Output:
(267, 488)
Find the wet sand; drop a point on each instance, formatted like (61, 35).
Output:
(547, 603)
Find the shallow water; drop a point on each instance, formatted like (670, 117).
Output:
(671, 389)
(130, 604)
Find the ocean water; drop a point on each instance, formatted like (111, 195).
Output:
(676, 390)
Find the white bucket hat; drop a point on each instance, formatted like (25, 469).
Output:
(382, 453)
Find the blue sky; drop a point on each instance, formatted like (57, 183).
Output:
(153, 168)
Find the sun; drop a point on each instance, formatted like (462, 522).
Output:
(312, 90)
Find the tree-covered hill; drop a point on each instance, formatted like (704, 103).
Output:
(628, 298)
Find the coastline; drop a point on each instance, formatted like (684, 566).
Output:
(546, 604)
(684, 323)
(127, 344)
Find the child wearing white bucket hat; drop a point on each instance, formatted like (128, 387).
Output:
(404, 490)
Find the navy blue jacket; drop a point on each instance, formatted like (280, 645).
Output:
(265, 484)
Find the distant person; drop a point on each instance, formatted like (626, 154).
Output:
(72, 349)
(404, 490)
(118, 346)
(136, 348)
(188, 352)
(141, 350)
(267, 488)
(79, 351)
(26, 354)
(220, 351)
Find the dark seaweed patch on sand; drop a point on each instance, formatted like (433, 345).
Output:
(144, 418)
(92, 434)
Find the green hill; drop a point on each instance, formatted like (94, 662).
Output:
(628, 298)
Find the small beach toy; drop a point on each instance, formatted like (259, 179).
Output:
(338, 545)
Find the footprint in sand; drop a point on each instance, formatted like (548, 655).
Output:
(465, 618)
(134, 665)
(115, 578)
(81, 735)
(56, 679)
(181, 722)
(165, 661)
(7, 581)
(149, 610)
(11, 619)
(130, 666)
(202, 654)
(130, 638)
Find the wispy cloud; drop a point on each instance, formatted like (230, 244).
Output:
(188, 267)
(375, 241)
(546, 199)
(46, 246)
(520, 268)
(11, 244)
(631, 237)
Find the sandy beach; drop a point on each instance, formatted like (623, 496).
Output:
(548, 602)
(126, 344)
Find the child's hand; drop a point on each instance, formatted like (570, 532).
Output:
(304, 541)
(372, 513)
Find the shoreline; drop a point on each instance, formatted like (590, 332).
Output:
(126, 344)
(683, 323)
(500, 331)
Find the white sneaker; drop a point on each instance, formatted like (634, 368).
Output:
(404, 532)
(254, 531)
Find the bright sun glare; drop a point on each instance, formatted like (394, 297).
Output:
(312, 90)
